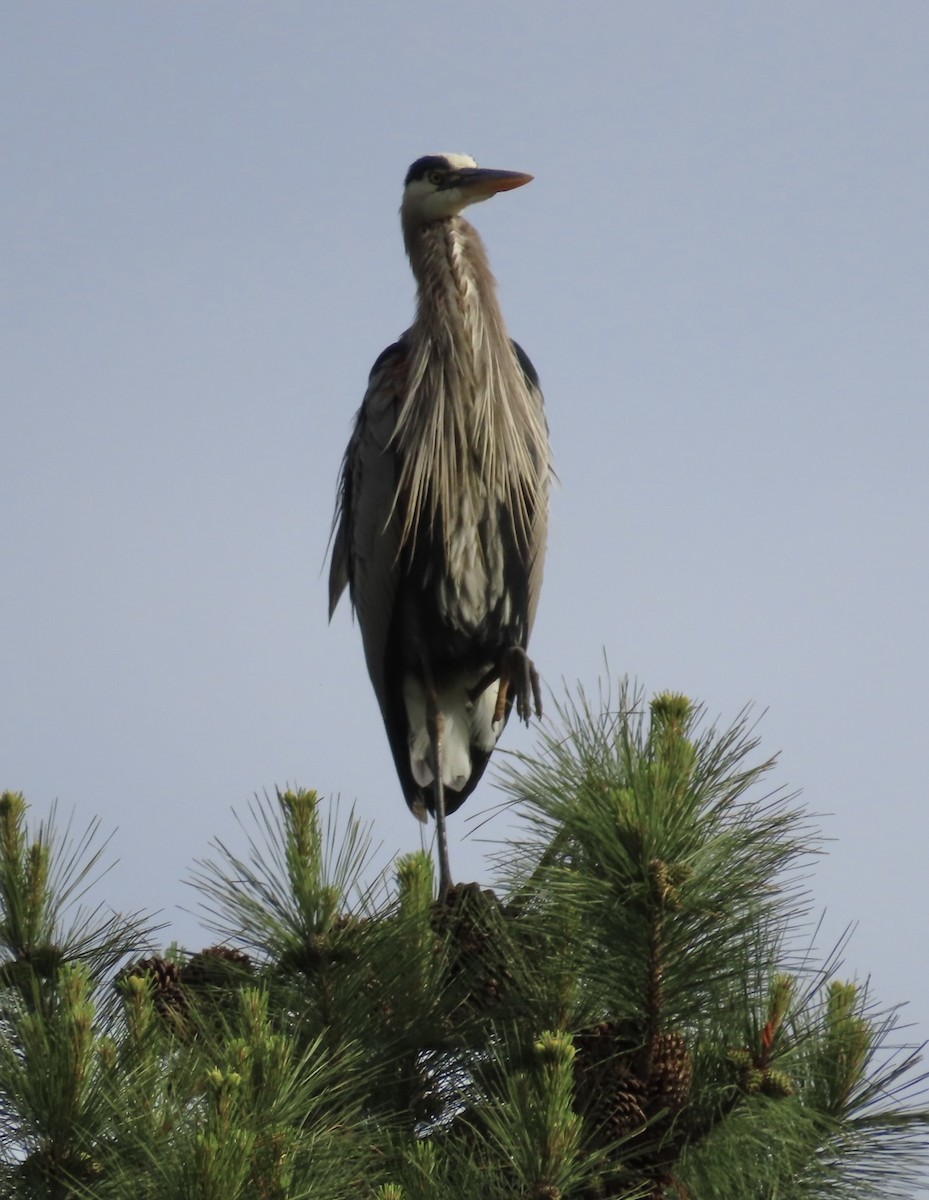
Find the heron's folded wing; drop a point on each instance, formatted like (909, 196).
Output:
(341, 537)
(367, 541)
(539, 522)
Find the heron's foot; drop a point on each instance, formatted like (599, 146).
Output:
(518, 674)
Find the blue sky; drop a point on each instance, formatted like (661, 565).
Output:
(721, 272)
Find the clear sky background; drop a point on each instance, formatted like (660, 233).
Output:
(721, 272)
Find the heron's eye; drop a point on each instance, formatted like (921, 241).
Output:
(436, 177)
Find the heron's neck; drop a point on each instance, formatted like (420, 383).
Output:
(466, 399)
(458, 315)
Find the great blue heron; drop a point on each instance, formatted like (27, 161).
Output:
(443, 505)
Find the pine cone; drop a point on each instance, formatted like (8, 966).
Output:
(777, 1084)
(627, 1108)
(216, 966)
(631, 1093)
(609, 1093)
(165, 978)
(671, 1076)
(607, 1044)
(742, 1059)
(471, 922)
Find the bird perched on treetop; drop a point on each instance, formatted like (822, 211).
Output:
(442, 509)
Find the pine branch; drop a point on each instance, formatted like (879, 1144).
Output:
(634, 1014)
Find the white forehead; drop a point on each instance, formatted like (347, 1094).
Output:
(459, 162)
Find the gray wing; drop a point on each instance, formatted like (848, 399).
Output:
(366, 541)
(538, 535)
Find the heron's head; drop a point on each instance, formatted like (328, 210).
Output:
(441, 185)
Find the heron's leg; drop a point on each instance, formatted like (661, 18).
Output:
(519, 673)
(500, 706)
(435, 726)
(516, 671)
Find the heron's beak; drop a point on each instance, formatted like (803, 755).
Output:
(479, 183)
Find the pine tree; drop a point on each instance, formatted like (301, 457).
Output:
(632, 1013)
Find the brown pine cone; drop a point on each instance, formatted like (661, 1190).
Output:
(216, 966)
(165, 978)
(671, 1074)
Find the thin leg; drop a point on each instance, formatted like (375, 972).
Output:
(519, 670)
(500, 707)
(516, 673)
(435, 724)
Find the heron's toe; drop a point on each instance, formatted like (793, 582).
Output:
(524, 682)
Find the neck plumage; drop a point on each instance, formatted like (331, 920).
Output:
(469, 429)
(458, 317)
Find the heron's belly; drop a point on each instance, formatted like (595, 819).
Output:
(466, 594)
(466, 619)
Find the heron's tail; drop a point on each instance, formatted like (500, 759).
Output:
(467, 726)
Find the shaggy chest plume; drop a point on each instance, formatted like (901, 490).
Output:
(471, 433)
